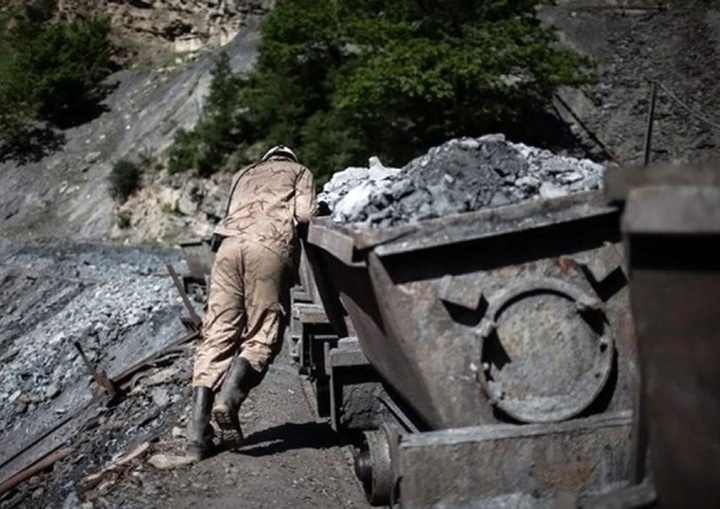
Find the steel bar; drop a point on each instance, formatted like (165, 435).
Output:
(605, 148)
(183, 295)
(650, 121)
(399, 415)
(98, 373)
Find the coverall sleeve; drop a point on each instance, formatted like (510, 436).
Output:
(305, 203)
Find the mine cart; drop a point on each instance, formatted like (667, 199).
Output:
(503, 345)
(671, 227)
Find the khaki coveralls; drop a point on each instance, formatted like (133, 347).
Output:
(250, 276)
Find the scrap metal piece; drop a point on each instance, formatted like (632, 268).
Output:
(98, 374)
(195, 320)
(125, 380)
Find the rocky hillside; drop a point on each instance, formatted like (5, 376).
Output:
(62, 190)
(149, 28)
(677, 44)
(632, 41)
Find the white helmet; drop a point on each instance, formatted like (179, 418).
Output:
(280, 152)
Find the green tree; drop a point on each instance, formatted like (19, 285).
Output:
(50, 69)
(345, 79)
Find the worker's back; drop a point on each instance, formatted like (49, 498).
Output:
(267, 200)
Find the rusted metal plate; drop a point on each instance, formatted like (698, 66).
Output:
(418, 306)
(513, 466)
(307, 279)
(620, 181)
(333, 239)
(673, 234)
(682, 210)
(546, 351)
(480, 222)
(489, 223)
(444, 341)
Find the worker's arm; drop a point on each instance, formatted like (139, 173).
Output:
(305, 203)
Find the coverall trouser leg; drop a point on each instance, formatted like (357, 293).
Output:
(245, 312)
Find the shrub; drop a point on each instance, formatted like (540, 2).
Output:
(124, 219)
(125, 178)
(50, 70)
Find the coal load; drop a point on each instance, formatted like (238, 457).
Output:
(462, 175)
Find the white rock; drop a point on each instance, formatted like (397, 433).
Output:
(167, 461)
(549, 190)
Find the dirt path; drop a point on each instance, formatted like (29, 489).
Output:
(290, 459)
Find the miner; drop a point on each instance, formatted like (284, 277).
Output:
(249, 288)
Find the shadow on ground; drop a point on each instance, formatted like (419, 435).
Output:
(33, 146)
(37, 142)
(290, 436)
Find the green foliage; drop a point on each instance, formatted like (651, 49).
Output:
(125, 178)
(345, 79)
(50, 70)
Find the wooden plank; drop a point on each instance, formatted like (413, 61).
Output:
(43, 443)
(34, 469)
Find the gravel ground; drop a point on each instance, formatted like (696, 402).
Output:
(121, 306)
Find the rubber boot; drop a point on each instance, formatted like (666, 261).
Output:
(240, 379)
(201, 437)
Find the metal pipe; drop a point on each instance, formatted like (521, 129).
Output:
(650, 119)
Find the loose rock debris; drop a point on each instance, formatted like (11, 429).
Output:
(461, 175)
(73, 446)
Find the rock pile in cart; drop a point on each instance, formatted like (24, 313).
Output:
(461, 175)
